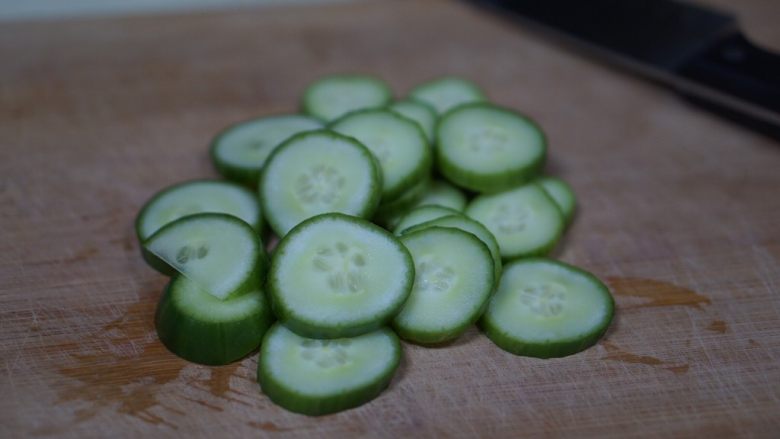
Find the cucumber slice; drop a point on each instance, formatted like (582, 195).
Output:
(240, 151)
(486, 148)
(525, 220)
(466, 224)
(561, 193)
(334, 96)
(404, 202)
(443, 194)
(545, 309)
(316, 172)
(198, 327)
(454, 278)
(317, 377)
(219, 252)
(420, 112)
(335, 276)
(422, 214)
(398, 144)
(446, 93)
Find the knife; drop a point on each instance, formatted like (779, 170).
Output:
(698, 51)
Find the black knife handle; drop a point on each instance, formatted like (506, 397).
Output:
(737, 79)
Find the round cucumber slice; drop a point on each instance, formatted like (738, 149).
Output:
(316, 377)
(561, 193)
(338, 276)
(219, 252)
(198, 327)
(545, 309)
(240, 151)
(454, 278)
(443, 194)
(466, 224)
(525, 220)
(446, 93)
(422, 214)
(398, 144)
(317, 172)
(420, 112)
(486, 148)
(334, 96)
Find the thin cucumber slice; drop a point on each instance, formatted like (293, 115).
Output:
(338, 276)
(561, 193)
(240, 151)
(219, 252)
(446, 93)
(198, 327)
(486, 148)
(525, 220)
(544, 308)
(454, 278)
(466, 224)
(398, 144)
(316, 377)
(317, 172)
(420, 112)
(406, 200)
(443, 194)
(334, 96)
(422, 214)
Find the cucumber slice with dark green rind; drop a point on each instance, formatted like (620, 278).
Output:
(462, 222)
(240, 150)
(447, 92)
(524, 220)
(485, 148)
(422, 214)
(443, 194)
(454, 279)
(333, 96)
(561, 193)
(420, 112)
(317, 377)
(399, 145)
(335, 275)
(200, 328)
(219, 252)
(545, 308)
(405, 201)
(316, 172)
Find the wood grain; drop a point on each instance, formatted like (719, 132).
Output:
(680, 213)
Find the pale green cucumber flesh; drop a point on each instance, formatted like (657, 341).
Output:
(318, 377)
(443, 194)
(525, 220)
(338, 276)
(561, 193)
(193, 197)
(467, 224)
(454, 278)
(317, 172)
(200, 328)
(446, 93)
(422, 214)
(423, 114)
(240, 150)
(219, 252)
(334, 96)
(544, 308)
(398, 144)
(486, 148)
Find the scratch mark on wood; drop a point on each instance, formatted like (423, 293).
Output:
(656, 293)
(718, 326)
(267, 426)
(615, 353)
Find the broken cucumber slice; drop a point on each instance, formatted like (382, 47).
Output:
(561, 193)
(219, 252)
(545, 308)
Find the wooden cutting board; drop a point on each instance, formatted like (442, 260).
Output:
(679, 213)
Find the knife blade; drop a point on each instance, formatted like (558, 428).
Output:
(699, 52)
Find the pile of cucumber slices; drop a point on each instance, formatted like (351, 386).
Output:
(414, 219)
